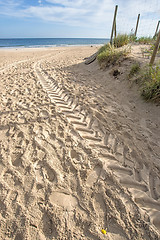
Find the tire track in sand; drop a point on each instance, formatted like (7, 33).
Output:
(138, 178)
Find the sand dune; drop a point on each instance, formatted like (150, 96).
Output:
(79, 149)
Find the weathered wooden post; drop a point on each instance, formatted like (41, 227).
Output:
(137, 25)
(157, 28)
(155, 49)
(115, 30)
(114, 23)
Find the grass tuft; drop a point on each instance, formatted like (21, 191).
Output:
(135, 68)
(150, 89)
(104, 48)
(121, 40)
(132, 38)
(110, 55)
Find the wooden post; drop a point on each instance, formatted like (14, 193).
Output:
(114, 22)
(137, 25)
(157, 28)
(115, 30)
(155, 49)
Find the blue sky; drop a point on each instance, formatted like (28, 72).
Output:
(75, 18)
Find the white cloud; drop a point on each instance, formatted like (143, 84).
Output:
(80, 12)
(88, 13)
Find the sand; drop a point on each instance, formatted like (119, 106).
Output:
(79, 149)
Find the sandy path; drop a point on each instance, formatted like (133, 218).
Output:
(76, 156)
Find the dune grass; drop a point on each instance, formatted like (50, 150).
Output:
(135, 68)
(104, 48)
(132, 38)
(145, 40)
(148, 79)
(150, 83)
(121, 40)
(108, 55)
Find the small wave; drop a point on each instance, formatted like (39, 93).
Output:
(39, 46)
(14, 46)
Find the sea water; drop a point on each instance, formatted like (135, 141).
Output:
(49, 42)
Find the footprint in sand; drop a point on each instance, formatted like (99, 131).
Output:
(67, 201)
(44, 171)
(93, 176)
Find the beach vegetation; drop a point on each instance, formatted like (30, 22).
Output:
(145, 40)
(120, 40)
(123, 39)
(148, 79)
(150, 83)
(135, 68)
(110, 55)
(147, 52)
(132, 38)
(104, 48)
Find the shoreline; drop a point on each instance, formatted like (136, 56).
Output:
(49, 47)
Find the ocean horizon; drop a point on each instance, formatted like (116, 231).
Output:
(49, 42)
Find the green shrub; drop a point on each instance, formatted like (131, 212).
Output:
(150, 89)
(121, 40)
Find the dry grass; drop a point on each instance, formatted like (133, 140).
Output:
(109, 55)
(121, 40)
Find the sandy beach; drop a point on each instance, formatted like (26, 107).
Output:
(79, 148)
